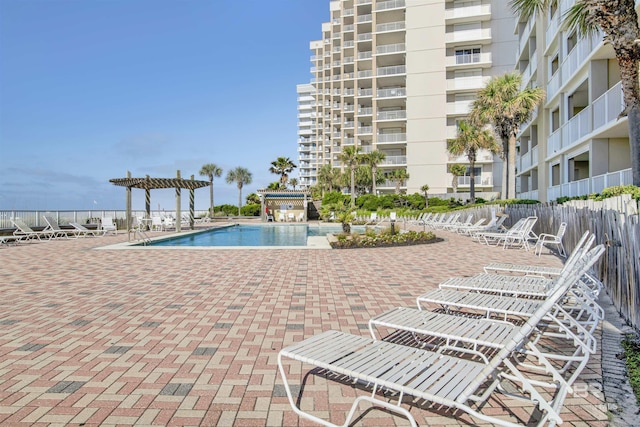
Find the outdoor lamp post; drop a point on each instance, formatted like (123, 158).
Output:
(392, 218)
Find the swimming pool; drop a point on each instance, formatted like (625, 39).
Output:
(252, 235)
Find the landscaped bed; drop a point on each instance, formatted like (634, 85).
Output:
(383, 238)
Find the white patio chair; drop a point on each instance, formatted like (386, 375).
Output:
(291, 217)
(156, 224)
(552, 239)
(108, 225)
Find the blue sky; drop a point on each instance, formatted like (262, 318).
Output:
(91, 89)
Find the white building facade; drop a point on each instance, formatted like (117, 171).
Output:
(575, 144)
(396, 76)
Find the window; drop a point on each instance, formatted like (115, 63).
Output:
(467, 56)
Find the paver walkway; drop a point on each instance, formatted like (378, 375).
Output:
(183, 337)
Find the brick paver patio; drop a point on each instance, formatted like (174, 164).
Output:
(183, 337)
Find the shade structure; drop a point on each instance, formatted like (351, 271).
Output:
(287, 201)
(147, 183)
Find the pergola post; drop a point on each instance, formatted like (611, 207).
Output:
(192, 206)
(128, 208)
(147, 197)
(263, 214)
(178, 212)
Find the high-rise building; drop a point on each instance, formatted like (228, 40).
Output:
(397, 76)
(575, 144)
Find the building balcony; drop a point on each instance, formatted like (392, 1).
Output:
(365, 37)
(459, 108)
(391, 138)
(480, 36)
(475, 13)
(365, 92)
(391, 48)
(392, 70)
(390, 26)
(473, 60)
(467, 83)
(528, 160)
(600, 113)
(365, 74)
(590, 185)
(365, 55)
(479, 181)
(394, 161)
(392, 115)
(391, 4)
(364, 18)
(365, 111)
(482, 157)
(391, 93)
(363, 130)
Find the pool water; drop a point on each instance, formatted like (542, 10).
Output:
(252, 235)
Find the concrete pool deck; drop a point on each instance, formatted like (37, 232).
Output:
(181, 337)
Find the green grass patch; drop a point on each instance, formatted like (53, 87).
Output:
(631, 347)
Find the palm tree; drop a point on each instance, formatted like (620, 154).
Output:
(253, 199)
(502, 104)
(373, 159)
(240, 176)
(469, 140)
(456, 171)
(425, 189)
(293, 182)
(351, 158)
(326, 178)
(618, 21)
(282, 166)
(211, 170)
(399, 176)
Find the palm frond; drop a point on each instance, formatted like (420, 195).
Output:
(577, 18)
(525, 9)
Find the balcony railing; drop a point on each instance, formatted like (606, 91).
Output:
(365, 111)
(364, 18)
(390, 26)
(365, 37)
(391, 138)
(391, 92)
(391, 48)
(528, 159)
(365, 130)
(590, 185)
(394, 69)
(392, 115)
(603, 110)
(465, 181)
(391, 4)
(472, 58)
(365, 55)
(468, 35)
(365, 92)
(467, 11)
(365, 73)
(394, 161)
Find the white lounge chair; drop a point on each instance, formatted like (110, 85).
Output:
(84, 231)
(441, 379)
(108, 225)
(54, 227)
(27, 233)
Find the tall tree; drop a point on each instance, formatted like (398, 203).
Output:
(351, 158)
(327, 178)
(282, 166)
(373, 159)
(456, 171)
(618, 21)
(399, 177)
(211, 170)
(469, 140)
(425, 190)
(293, 182)
(240, 176)
(502, 104)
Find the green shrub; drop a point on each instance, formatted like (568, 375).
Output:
(335, 197)
(228, 210)
(618, 190)
(369, 202)
(250, 210)
(383, 239)
(632, 355)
